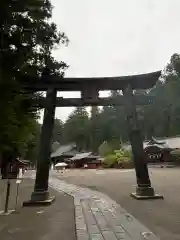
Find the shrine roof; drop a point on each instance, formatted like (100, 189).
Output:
(63, 149)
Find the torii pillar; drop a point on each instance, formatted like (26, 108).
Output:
(144, 190)
(40, 195)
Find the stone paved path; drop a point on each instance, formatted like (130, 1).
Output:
(98, 217)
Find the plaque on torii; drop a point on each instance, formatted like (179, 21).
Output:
(89, 88)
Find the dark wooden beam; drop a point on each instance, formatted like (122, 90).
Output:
(77, 102)
(141, 81)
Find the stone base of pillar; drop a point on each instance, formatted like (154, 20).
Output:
(39, 199)
(145, 193)
(2, 213)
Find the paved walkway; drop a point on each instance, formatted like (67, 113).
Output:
(162, 217)
(97, 217)
(100, 218)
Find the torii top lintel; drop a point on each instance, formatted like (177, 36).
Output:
(142, 81)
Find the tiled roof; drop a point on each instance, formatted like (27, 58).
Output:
(173, 142)
(55, 146)
(63, 149)
(81, 156)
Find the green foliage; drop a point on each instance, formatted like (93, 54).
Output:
(105, 149)
(95, 129)
(27, 38)
(57, 131)
(32, 142)
(108, 147)
(123, 155)
(110, 160)
(118, 156)
(76, 128)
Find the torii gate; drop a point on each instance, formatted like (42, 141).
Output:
(89, 88)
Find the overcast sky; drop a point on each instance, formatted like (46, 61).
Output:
(116, 37)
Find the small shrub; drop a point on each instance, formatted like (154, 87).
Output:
(105, 149)
(123, 155)
(118, 157)
(110, 160)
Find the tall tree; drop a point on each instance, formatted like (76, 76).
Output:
(27, 37)
(30, 150)
(95, 129)
(76, 128)
(57, 131)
